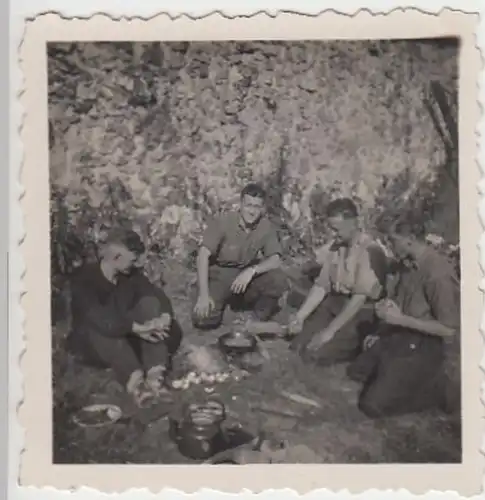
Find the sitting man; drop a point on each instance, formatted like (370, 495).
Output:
(402, 370)
(330, 324)
(121, 320)
(229, 266)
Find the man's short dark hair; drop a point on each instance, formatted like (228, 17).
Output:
(254, 190)
(408, 229)
(126, 237)
(344, 207)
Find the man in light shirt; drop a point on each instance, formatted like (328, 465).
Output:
(330, 324)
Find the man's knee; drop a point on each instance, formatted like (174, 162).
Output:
(175, 339)
(362, 367)
(274, 283)
(146, 309)
(375, 406)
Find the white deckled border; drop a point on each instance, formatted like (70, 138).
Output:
(16, 271)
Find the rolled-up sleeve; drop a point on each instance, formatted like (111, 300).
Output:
(213, 235)
(272, 243)
(371, 273)
(443, 296)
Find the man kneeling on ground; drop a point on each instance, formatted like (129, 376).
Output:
(121, 320)
(331, 322)
(402, 371)
(229, 265)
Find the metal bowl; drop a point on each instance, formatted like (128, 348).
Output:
(237, 343)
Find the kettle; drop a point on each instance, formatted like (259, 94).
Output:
(199, 433)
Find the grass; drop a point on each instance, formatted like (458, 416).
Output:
(337, 432)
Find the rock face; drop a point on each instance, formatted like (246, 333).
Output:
(161, 136)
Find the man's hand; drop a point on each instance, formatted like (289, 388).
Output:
(319, 339)
(240, 284)
(164, 322)
(154, 330)
(369, 341)
(295, 325)
(203, 306)
(152, 336)
(388, 311)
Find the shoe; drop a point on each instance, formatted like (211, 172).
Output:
(155, 380)
(138, 390)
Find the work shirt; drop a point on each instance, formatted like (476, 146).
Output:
(107, 307)
(359, 268)
(430, 290)
(231, 244)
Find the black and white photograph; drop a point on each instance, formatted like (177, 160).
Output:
(255, 252)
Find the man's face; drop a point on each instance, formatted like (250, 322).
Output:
(342, 228)
(121, 258)
(252, 208)
(402, 248)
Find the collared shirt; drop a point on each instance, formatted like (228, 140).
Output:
(430, 290)
(233, 245)
(360, 268)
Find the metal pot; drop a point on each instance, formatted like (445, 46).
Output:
(237, 343)
(199, 434)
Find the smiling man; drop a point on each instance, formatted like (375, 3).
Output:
(331, 322)
(239, 263)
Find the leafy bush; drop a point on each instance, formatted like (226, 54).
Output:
(161, 136)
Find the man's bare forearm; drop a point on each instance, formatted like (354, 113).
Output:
(429, 327)
(313, 300)
(203, 271)
(269, 264)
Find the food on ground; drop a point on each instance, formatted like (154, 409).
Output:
(207, 378)
(97, 415)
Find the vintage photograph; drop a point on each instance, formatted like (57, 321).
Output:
(255, 252)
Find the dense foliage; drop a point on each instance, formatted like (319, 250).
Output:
(160, 136)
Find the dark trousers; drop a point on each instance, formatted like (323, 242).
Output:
(261, 295)
(346, 344)
(401, 373)
(126, 353)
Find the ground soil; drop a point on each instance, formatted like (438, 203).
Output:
(337, 432)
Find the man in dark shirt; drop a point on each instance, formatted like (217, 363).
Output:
(239, 262)
(121, 320)
(402, 371)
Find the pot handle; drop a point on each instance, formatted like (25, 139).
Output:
(175, 430)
